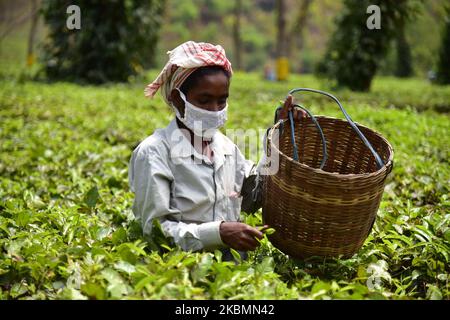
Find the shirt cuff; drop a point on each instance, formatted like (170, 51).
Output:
(209, 234)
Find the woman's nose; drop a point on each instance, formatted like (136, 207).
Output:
(216, 107)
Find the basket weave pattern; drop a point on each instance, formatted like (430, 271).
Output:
(327, 212)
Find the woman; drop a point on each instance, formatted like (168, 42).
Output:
(190, 176)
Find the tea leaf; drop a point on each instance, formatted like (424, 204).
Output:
(91, 197)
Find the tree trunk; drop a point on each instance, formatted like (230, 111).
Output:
(296, 32)
(282, 64)
(443, 71)
(404, 60)
(237, 34)
(281, 29)
(32, 35)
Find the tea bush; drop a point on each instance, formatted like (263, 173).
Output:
(67, 231)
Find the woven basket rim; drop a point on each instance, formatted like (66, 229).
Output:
(336, 174)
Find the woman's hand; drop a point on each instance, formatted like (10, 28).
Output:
(287, 106)
(240, 236)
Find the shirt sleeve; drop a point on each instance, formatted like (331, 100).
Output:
(191, 236)
(150, 179)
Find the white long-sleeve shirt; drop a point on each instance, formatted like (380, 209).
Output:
(189, 194)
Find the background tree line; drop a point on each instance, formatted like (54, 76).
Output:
(309, 24)
(134, 35)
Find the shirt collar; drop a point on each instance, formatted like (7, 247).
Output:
(181, 147)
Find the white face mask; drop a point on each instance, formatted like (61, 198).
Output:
(202, 122)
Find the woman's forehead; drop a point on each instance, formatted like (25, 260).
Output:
(212, 84)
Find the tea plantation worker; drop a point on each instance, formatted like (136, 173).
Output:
(190, 176)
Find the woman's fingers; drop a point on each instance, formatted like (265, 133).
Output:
(263, 228)
(240, 236)
(253, 232)
(297, 113)
(288, 103)
(250, 244)
(248, 241)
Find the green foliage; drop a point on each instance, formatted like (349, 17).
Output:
(116, 40)
(67, 231)
(355, 51)
(443, 74)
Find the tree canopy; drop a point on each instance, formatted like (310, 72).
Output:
(116, 39)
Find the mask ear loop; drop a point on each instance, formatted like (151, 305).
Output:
(182, 95)
(175, 109)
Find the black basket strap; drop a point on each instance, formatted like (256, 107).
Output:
(322, 136)
(378, 159)
(294, 144)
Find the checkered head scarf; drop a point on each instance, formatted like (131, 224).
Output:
(183, 60)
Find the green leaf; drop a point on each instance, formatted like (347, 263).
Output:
(114, 183)
(218, 254)
(319, 289)
(236, 255)
(116, 287)
(73, 294)
(91, 197)
(144, 282)
(127, 254)
(433, 292)
(189, 261)
(94, 291)
(23, 218)
(119, 236)
(102, 232)
(447, 235)
(199, 273)
(18, 289)
(125, 267)
(265, 266)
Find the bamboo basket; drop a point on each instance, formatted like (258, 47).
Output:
(323, 201)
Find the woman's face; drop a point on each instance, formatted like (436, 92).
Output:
(210, 93)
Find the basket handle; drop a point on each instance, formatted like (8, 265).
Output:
(378, 159)
(316, 123)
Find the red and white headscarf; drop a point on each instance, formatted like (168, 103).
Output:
(183, 60)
